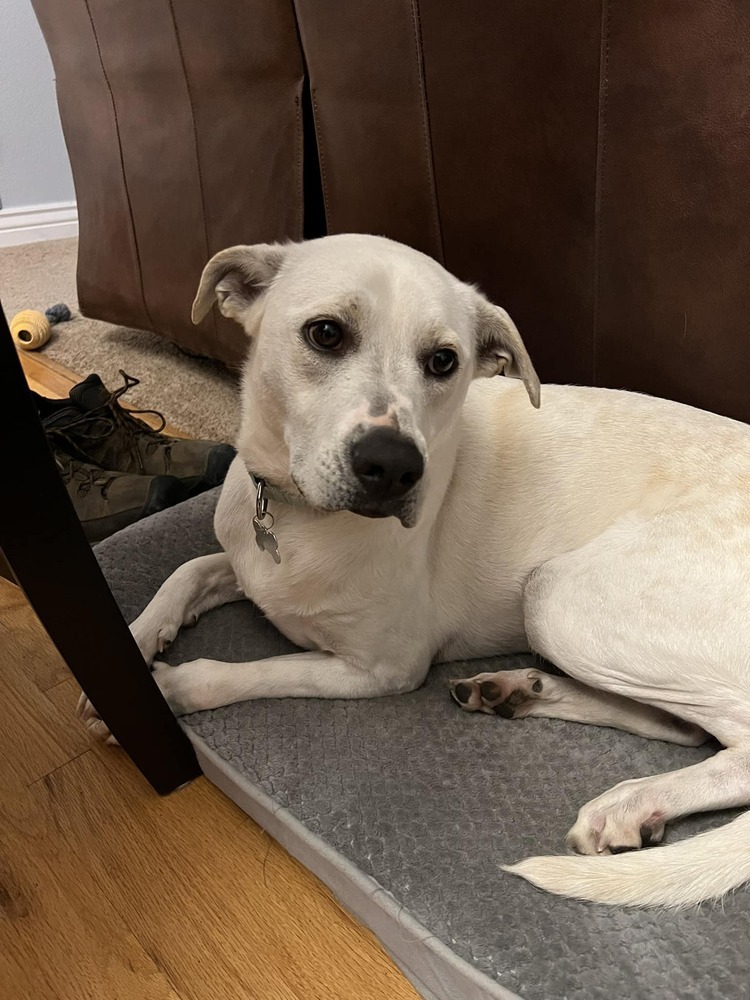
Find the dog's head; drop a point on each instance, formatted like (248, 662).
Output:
(362, 353)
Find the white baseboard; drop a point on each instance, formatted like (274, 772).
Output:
(30, 224)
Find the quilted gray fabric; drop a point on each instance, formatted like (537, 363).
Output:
(428, 801)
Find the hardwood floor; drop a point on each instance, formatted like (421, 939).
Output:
(109, 892)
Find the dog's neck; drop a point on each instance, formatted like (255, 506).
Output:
(276, 493)
(263, 450)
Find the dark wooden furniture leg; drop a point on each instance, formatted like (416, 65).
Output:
(5, 570)
(44, 544)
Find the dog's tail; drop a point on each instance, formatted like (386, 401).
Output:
(691, 871)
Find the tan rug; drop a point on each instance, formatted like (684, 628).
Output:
(197, 395)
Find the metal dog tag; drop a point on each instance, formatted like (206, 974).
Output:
(265, 538)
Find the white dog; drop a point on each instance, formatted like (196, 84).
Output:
(388, 509)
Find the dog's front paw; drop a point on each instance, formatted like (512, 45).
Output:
(86, 712)
(178, 688)
(183, 687)
(153, 638)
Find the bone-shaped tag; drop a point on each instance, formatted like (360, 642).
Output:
(266, 540)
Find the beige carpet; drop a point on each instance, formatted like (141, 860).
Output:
(197, 395)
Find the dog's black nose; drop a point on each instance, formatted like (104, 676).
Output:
(386, 463)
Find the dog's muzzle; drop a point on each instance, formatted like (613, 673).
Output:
(387, 466)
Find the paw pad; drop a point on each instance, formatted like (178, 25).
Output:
(508, 694)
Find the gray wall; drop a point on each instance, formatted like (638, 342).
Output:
(34, 168)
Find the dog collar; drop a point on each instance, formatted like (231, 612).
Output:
(263, 520)
(265, 539)
(270, 492)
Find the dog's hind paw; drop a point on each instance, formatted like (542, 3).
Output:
(625, 818)
(508, 693)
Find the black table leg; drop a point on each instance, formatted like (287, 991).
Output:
(44, 544)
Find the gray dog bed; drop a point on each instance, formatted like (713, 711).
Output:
(406, 807)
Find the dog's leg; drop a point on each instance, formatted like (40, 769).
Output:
(523, 694)
(633, 814)
(196, 586)
(640, 613)
(648, 611)
(203, 684)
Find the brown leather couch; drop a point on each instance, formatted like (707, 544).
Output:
(587, 163)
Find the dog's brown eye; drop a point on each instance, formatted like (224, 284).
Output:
(442, 362)
(325, 335)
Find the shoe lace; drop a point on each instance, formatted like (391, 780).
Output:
(87, 477)
(101, 421)
(133, 428)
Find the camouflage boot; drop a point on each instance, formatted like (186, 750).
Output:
(107, 501)
(92, 425)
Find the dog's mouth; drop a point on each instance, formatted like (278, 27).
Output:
(371, 511)
(345, 498)
(299, 489)
(406, 513)
(406, 510)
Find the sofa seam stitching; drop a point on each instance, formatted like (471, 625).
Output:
(133, 238)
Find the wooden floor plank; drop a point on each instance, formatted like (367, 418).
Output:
(35, 737)
(66, 939)
(47, 367)
(21, 973)
(187, 893)
(65, 696)
(28, 635)
(46, 377)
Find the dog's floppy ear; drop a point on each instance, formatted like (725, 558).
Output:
(235, 278)
(500, 350)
